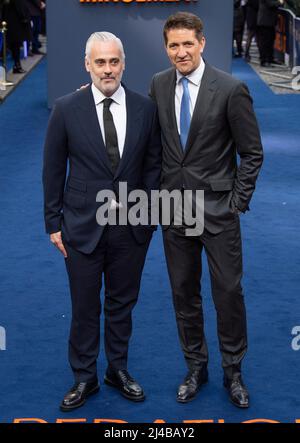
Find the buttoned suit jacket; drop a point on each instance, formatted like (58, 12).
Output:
(77, 167)
(223, 129)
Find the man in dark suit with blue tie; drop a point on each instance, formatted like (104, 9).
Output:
(207, 120)
(104, 134)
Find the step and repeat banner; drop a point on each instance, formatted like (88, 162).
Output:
(139, 24)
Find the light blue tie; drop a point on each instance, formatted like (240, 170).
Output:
(185, 116)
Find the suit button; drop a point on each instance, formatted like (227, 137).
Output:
(183, 165)
(183, 186)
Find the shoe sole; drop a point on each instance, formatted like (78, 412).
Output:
(194, 396)
(128, 397)
(71, 408)
(239, 406)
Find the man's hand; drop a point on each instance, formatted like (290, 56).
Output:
(83, 87)
(57, 241)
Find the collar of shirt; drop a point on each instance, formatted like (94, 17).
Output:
(195, 77)
(118, 96)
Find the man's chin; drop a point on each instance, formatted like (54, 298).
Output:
(108, 91)
(184, 69)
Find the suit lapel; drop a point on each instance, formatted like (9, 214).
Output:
(134, 112)
(170, 112)
(202, 106)
(88, 120)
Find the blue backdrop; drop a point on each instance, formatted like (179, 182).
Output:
(139, 25)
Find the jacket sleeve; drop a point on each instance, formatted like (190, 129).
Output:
(153, 159)
(152, 90)
(246, 135)
(54, 169)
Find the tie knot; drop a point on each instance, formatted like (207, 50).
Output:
(107, 102)
(184, 82)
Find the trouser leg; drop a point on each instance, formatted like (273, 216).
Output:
(239, 42)
(270, 46)
(250, 36)
(224, 253)
(183, 255)
(261, 41)
(16, 53)
(35, 33)
(85, 274)
(124, 264)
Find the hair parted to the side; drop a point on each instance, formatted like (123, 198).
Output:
(184, 20)
(103, 37)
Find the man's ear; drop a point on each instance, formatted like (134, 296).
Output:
(87, 64)
(203, 43)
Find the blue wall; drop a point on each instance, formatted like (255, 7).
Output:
(139, 25)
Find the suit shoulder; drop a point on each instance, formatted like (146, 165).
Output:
(71, 99)
(142, 100)
(164, 75)
(227, 81)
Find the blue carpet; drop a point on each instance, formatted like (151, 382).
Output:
(35, 305)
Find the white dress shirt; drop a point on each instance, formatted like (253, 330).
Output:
(194, 84)
(118, 110)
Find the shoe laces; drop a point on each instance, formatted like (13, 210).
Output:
(81, 386)
(124, 375)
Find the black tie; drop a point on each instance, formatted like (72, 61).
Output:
(111, 138)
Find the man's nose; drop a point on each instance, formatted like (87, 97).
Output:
(108, 69)
(181, 52)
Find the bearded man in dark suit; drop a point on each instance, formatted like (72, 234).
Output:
(103, 135)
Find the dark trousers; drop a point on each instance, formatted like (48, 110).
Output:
(238, 37)
(36, 29)
(224, 254)
(16, 52)
(251, 33)
(265, 41)
(120, 259)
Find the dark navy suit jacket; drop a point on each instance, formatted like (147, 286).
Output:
(74, 143)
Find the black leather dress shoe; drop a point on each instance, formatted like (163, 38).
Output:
(78, 394)
(18, 70)
(238, 393)
(265, 64)
(188, 390)
(128, 387)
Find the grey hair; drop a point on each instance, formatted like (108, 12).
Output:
(103, 37)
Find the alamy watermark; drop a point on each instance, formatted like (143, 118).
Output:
(296, 79)
(296, 340)
(2, 339)
(182, 208)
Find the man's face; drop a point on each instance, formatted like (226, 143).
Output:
(106, 66)
(184, 50)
